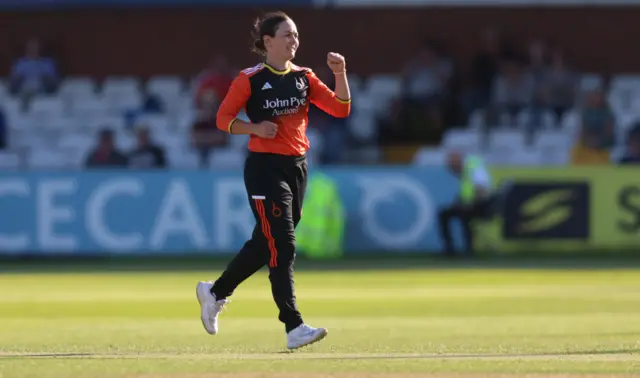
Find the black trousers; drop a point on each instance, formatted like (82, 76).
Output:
(466, 215)
(275, 187)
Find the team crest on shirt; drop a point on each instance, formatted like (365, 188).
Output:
(300, 84)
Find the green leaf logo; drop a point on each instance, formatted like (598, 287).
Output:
(546, 211)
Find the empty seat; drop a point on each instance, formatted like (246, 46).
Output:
(363, 127)
(170, 140)
(155, 122)
(591, 81)
(464, 140)
(384, 86)
(76, 87)
(507, 138)
(555, 156)
(546, 119)
(101, 121)
(4, 90)
(47, 106)
(42, 158)
(58, 122)
(124, 102)
(316, 140)
(238, 142)
(553, 139)
(364, 103)
(9, 160)
(75, 157)
(89, 107)
(125, 141)
(570, 120)
(477, 119)
(226, 158)
(114, 87)
(12, 107)
(625, 82)
(430, 157)
(74, 140)
(524, 157)
(182, 159)
(165, 86)
(181, 105)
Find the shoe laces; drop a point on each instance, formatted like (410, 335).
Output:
(220, 305)
(306, 329)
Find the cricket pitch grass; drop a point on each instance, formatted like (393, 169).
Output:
(385, 323)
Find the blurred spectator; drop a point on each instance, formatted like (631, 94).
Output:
(147, 154)
(597, 135)
(632, 152)
(33, 74)
(484, 68)
(105, 155)
(537, 68)
(513, 88)
(425, 82)
(152, 103)
(205, 136)
(558, 85)
(334, 130)
(213, 84)
(537, 60)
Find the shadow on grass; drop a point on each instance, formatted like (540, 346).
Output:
(323, 356)
(369, 262)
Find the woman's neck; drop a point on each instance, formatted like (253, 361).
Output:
(278, 64)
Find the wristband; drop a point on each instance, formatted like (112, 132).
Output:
(339, 73)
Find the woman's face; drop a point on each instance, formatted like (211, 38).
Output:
(285, 42)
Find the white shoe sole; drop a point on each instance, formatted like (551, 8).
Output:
(201, 293)
(323, 332)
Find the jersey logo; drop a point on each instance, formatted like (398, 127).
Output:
(300, 84)
(266, 86)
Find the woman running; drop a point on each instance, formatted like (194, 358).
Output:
(275, 95)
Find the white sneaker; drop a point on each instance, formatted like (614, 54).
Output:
(305, 335)
(210, 307)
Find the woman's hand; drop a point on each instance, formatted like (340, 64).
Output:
(336, 62)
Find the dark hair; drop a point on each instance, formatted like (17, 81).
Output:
(267, 25)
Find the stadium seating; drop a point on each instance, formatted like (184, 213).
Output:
(57, 131)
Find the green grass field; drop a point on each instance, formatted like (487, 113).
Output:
(403, 322)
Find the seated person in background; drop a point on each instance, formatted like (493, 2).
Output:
(105, 155)
(212, 86)
(513, 91)
(559, 85)
(425, 81)
(205, 135)
(475, 199)
(597, 134)
(33, 74)
(632, 153)
(146, 155)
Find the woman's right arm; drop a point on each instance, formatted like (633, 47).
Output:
(235, 100)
